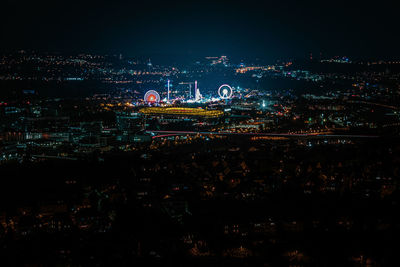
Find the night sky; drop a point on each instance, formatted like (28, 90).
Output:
(269, 29)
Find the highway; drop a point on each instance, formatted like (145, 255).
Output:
(173, 133)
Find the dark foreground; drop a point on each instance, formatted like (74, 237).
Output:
(222, 202)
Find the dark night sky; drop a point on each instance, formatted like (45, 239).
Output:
(270, 29)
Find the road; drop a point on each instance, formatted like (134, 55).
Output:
(173, 133)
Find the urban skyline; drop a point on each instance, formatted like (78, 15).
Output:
(199, 133)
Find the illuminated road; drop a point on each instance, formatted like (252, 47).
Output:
(173, 133)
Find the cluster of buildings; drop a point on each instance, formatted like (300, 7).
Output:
(225, 173)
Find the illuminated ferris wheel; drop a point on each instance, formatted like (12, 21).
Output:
(225, 91)
(151, 97)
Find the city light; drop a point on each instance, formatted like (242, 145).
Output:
(199, 133)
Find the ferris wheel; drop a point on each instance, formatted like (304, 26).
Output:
(151, 97)
(225, 91)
